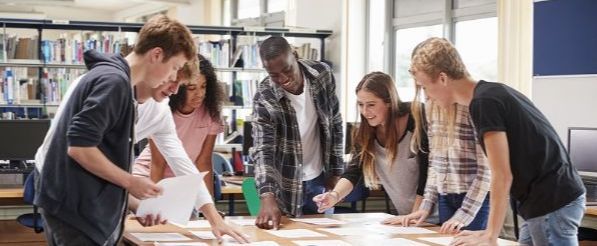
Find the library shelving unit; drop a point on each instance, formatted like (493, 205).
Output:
(41, 102)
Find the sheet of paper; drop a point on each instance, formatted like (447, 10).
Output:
(347, 231)
(448, 240)
(177, 200)
(210, 235)
(182, 244)
(295, 233)
(194, 224)
(321, 243)
(243, 222)
(401, 242)
(399, 229)
(155, 236)
(320, 221)
(262, 243)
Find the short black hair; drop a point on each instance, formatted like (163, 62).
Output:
(273, 47)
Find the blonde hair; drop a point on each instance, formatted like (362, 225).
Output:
(382, 86)
(432, 57)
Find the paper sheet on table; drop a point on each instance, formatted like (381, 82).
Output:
(177, 200)
(321, 243)
(182, 244)
(448, 240)
(243, 222)
(154, 236)
(210, 235)
(347, 231)
(194, 224)
(320, 221)
(401, 242)
(295, 233)
(399, 229)
(262, 243)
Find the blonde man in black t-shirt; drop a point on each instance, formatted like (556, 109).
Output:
(525, 154)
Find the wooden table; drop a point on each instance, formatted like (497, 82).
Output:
(257, 234)
(591, 210)
(11, 192)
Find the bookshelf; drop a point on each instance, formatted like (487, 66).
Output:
(46, 68)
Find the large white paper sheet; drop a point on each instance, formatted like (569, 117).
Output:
(261, 243)
(194, 224)
(177, 200)
(243, 222)
(295, 233)
(182, 244)
(448, 240)
(320, 221)
(347, 231)
(321, 243)
(399, 229)
(154, 236)
(401, 242)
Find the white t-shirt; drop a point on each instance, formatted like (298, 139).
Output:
(309, 130)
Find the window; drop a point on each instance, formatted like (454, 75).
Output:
(406, 40)
(477, 42)
(276, 5)
(248, 9)
(376, 35)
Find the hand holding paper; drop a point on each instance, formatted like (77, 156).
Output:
(177, 199)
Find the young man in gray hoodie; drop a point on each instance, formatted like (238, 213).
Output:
(84, 162)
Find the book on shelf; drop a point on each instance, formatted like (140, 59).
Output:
(306, 52)
(21, 84)
(217, 52)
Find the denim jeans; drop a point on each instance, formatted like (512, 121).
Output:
(450, 203)
(559, 227)
(312, 188)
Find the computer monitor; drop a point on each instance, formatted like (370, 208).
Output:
(19, 139)
(582, 147)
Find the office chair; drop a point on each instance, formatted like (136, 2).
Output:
(31, 220)
(221, 166)
(251, 197)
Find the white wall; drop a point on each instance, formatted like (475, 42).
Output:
(345, 48)
(567, 101)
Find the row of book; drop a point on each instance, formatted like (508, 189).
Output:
(12, 47)
(19, 85)
(70, 51)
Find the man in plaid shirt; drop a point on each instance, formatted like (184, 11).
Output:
(297, 132)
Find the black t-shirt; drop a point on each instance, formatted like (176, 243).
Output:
(543, 177)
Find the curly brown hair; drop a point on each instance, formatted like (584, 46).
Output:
(214, 93)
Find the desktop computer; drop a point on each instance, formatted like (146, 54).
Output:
(582, 147)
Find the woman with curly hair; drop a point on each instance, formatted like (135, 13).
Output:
(196, 110)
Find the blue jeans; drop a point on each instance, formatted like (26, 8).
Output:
(312, 188)
(450, 203)
(559, 227)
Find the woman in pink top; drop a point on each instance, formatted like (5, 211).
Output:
(196, 110)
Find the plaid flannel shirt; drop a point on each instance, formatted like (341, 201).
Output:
(277, 152)
(460, 168)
